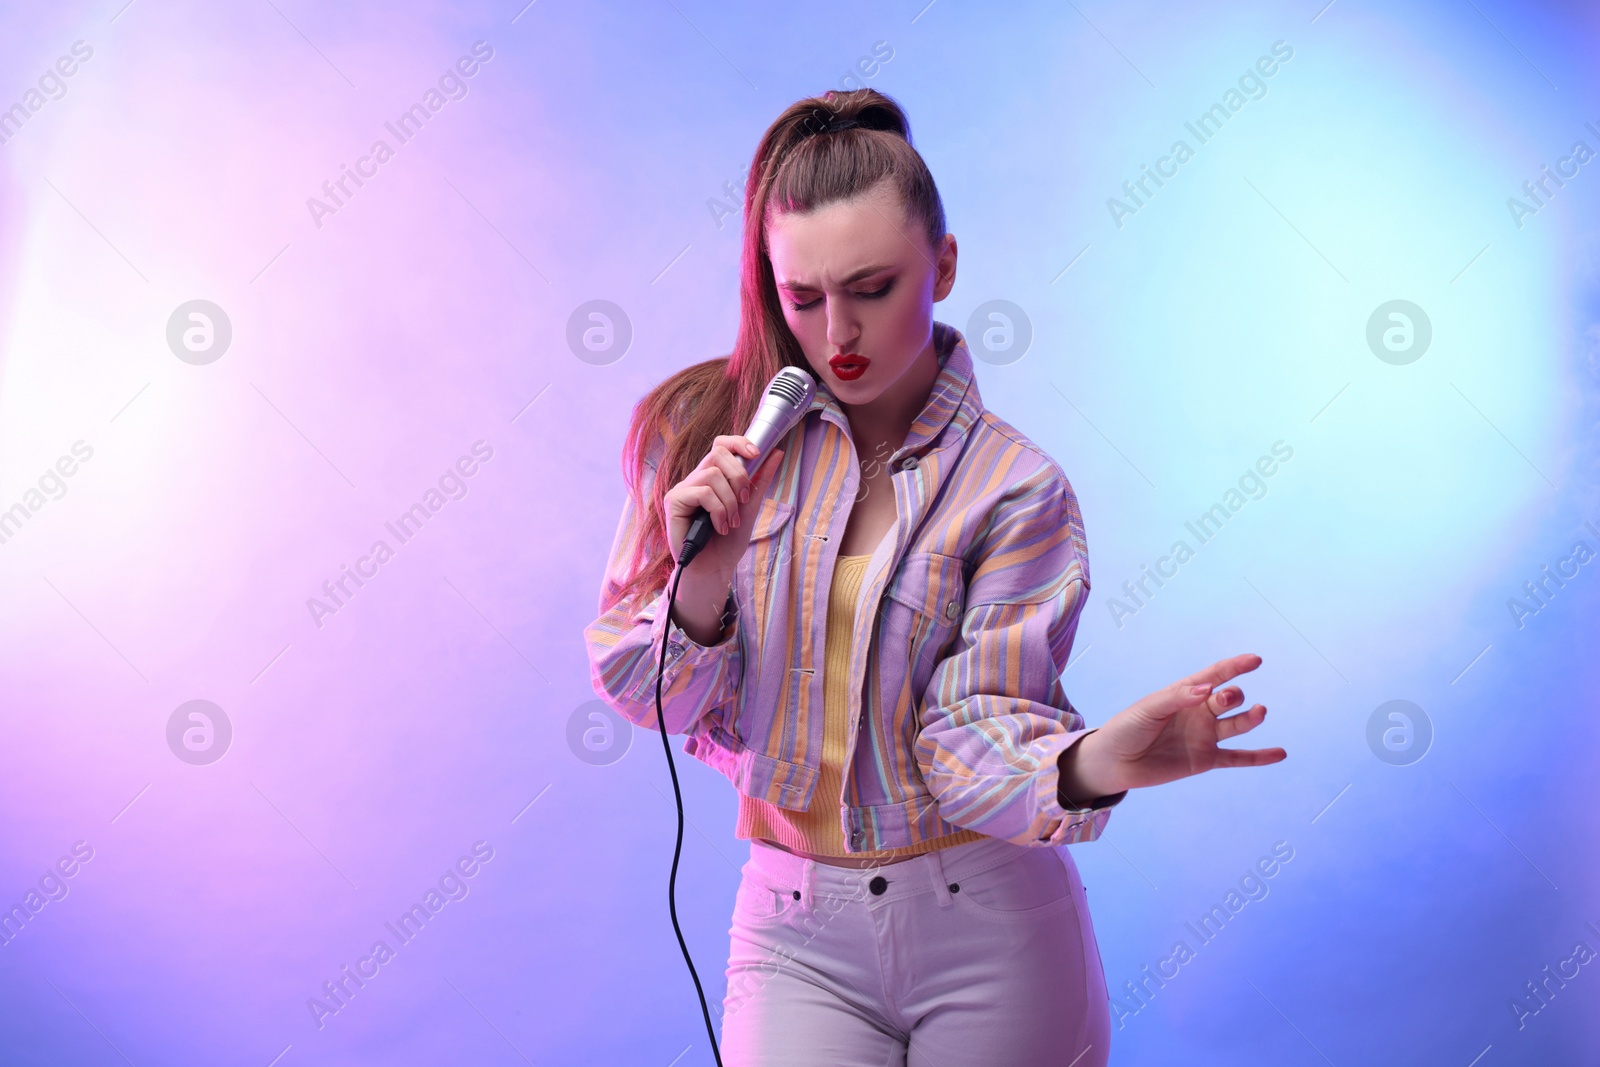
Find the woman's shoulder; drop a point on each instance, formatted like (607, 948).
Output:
(1029, 464)
(1033, 519)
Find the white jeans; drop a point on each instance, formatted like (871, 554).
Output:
(977, 954)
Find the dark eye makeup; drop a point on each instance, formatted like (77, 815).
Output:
(873, 295)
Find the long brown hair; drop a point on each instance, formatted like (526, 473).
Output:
(822, 149)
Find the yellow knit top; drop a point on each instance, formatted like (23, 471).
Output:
(819, 830)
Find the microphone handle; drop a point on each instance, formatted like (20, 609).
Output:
(701, 527)
(765, 432)
(700, 531)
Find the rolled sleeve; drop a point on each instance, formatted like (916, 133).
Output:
(624, 647)
(995, 719)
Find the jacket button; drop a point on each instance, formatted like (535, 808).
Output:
(909, 463)
(952, 610)
(878, 885)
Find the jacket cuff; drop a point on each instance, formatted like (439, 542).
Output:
(1067, 824)
(681, 648)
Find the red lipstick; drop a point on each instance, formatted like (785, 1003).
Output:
(849, 366)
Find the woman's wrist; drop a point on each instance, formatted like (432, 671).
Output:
(701, 605)
(1085, 773)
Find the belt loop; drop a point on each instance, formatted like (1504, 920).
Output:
(808, 884)
(941, 887)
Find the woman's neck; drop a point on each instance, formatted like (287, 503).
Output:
(887, 418)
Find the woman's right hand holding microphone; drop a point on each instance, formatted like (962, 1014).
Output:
(731, 496)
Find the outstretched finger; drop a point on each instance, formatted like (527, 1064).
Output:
(1244, 722)
(1249, 757)
(1167, 702)
(1224, 669)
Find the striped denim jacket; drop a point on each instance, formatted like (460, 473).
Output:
(974, 595)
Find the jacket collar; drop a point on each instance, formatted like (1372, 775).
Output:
(953, 402)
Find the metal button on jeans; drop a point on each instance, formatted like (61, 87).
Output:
(878, 885)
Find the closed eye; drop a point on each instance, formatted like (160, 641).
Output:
(874, 294)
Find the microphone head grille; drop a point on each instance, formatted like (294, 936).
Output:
(793, 386)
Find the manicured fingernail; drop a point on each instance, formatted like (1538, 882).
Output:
(1200, 690)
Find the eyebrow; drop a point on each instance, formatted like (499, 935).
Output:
(853, 277)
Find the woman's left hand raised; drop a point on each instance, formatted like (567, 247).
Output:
(1170, 734)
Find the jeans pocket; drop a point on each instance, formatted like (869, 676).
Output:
(1029, 885)
(758, 900)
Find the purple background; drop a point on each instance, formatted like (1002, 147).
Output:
(588, 159)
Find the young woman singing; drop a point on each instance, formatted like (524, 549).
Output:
(870, 646)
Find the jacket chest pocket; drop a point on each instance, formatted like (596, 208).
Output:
(920, 615)
(757, 569)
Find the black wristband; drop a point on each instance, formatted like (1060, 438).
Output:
(1094, 805)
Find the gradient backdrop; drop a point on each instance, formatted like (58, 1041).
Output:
(185, 482)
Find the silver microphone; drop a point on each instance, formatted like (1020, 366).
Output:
(788, 396)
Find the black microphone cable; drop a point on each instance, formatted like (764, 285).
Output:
(784, 403)
(677, 796)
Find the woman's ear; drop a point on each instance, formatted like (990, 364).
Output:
(944, 265)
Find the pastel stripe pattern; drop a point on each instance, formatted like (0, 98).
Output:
(969, 610)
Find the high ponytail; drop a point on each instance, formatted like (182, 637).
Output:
(821, 150)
